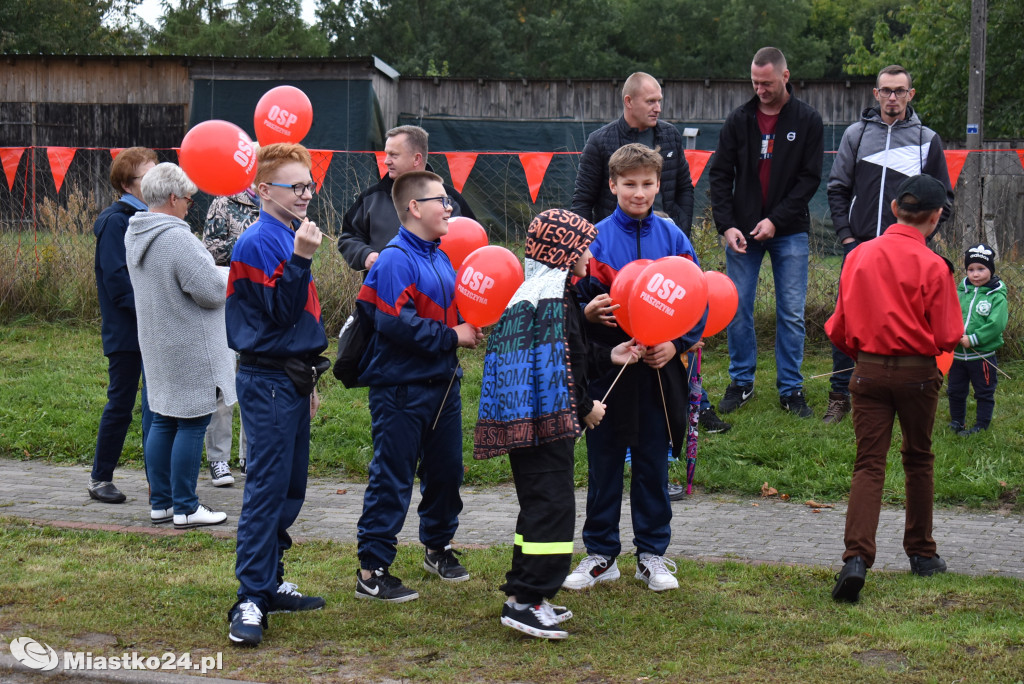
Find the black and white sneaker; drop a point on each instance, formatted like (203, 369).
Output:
(795, 403)
(247, 624)
(289, 600)
(735, 396)
(220, 474)
(710, 422)
(537, 620)
(676, 492)
(445, 565)
(383, 586)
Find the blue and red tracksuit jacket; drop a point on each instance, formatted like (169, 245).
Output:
(409, 298)
(272, 308)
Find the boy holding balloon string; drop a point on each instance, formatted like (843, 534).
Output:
(647, 411)
(413, 374)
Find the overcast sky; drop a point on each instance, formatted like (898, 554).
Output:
(151, 11)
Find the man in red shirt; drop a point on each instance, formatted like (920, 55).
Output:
(897, 311)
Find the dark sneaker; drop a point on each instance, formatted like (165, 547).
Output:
(973, 431)
(849, 580)
(957, 427)
(796, 404)
(838, 407)
(538, 621)
(445, 565)
(105, 492)
(590, 571)
(382, 586)
(926, 567)
(676, 492)
(247, 624)
(710, 422)
(220, 474)
(289, 600)
(735, 396)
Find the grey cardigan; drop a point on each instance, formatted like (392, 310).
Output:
(179, 299)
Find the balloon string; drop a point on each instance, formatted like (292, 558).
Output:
(300, 218)
(605, 397)
(664, 405)
(441, 407)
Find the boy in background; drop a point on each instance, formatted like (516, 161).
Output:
(983, 305)
(636, 415)
(414, 377)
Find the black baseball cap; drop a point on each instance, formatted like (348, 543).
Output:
(921, 193)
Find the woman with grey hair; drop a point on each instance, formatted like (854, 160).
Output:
(179, 296)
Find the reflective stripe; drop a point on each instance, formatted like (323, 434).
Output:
(543, 548)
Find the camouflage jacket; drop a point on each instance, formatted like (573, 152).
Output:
(225, 221)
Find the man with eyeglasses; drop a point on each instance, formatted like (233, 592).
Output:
(888, 145)
(372, 221)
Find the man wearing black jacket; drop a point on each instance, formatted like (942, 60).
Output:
(764, 172)
(372, 221)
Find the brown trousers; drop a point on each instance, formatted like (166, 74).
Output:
(880, 391)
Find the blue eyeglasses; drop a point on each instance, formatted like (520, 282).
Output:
(299, 188)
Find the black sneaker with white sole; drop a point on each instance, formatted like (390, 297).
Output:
(247, 624)
(289, 600)
(445, 565)
(710, 423)
(538, 620)
(220, 474)
(795, 403)
(383, 586)
(735, 396)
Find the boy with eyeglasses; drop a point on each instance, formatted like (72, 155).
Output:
(413, 373)
(888, 145)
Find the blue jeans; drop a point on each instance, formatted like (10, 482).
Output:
(789, 256)
(123, 372)
(174, 449)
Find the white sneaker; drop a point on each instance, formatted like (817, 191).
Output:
(590, 571)
(655, 573)
(202, 516)
(159, 516)
(220, 474)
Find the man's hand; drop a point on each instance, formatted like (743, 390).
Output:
(601, 310)
(626, 353)
(307, 239)
(469, 335)
(593, 419)
(657, 357)
(371, 259)
(764, 230)
(965, 342)
(735, 241)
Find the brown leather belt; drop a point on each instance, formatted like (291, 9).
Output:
(895, 361)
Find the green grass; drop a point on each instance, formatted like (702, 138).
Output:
(729, 622)
(53, 385)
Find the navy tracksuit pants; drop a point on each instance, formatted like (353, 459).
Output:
(406, 445)
(276, 419)
(124, 371)
(983, 377)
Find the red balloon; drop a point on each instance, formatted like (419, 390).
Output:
(464, 236)
(485, 283)
(722, 302)
(283, 115)
(668, 299)
(944, 361)
(622, 285)
(219, 157)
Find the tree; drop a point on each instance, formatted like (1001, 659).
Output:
(936, 50)
(83, 27)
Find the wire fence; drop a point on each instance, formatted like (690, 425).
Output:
(51, 197)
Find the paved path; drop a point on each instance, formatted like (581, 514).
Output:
(704, 527)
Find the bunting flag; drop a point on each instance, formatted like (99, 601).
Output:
(698, 161)
(321, 162)
(460, 164)
(114, 151)
(1020, 155)
(955, 162)
(535, 164)
(380, 163)
(11, 157)
(60, 159)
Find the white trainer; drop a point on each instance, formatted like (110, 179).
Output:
(655, 573)
(590, 571)
(159, 516)
(203, 516)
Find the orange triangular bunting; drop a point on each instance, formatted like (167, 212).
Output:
(114, 151)
(460, 164)
(1020, 155)
(321, 162)
(698, 161)
(955, 162)
(11, 157)
(535, 164)
(380, 163)
(60, 159)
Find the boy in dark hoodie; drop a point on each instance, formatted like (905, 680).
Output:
(533, 401)
(983, 303)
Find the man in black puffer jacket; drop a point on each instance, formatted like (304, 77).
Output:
(641, 105)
